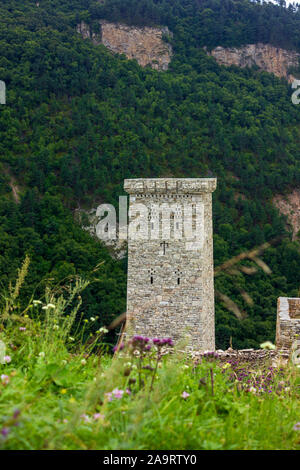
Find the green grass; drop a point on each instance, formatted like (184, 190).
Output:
(58, 386)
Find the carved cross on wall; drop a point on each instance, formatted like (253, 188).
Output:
(164, 245)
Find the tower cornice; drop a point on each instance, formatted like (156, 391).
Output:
(170, 185)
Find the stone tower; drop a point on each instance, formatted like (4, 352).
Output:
(170, 290)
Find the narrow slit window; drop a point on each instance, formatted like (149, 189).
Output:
(178, 275)
(151, 273)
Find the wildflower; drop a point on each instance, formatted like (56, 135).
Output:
(22, 328)
(71, 338)
(5, 431)
(102, 330)
(86, 320)
(5, 379)
(128, 391)
(97, 416)
(83, 362)
(55, 327)
(7, 359)
(162, 342)
(252, 389)
(37, 302)
(185, 395)
(226, 365)
(297, 426)
(46, 307)
(85, 418)
(63, 391)
(118, 347)
(65, 421)
(42, 354)
(16, 414)
(109, 396)
(118, 393)
(93, 319)
(267, 345)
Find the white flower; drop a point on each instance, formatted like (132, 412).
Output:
(37, 302)
(42, 354)
(93, 319)
(252, 389)
(83, 362)
(48, 306)
(103, 330)
(71, 338)
(55, 327)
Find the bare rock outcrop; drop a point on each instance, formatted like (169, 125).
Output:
(269, 58)
(289, 206)
(145, 44)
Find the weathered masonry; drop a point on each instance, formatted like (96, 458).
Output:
(170, 290)
(288, 322)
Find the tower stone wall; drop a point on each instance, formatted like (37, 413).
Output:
(170, 289)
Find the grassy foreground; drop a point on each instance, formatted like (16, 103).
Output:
(58, 391)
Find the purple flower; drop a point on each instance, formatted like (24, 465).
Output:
(119, 347)
(22, 328)
(162, 342)
(185, 395)
(297, 426)
(7, 359)
(17, 413)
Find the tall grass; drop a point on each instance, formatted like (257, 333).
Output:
(59, 391)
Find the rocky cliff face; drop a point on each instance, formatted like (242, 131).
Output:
(290, 206)
(269, 58)
(146, 45)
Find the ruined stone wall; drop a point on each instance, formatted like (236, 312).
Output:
(269, 58)
(144, 44)
(170, 289)
(288, 322)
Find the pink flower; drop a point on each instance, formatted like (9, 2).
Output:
(85, 418)
(7, 359)
(97, 416)
(297, 426)
(22, 328)
(109, 396)
(185, 395)
(116, 393)
(5, 379)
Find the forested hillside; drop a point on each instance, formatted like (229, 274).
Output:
(78, 120)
